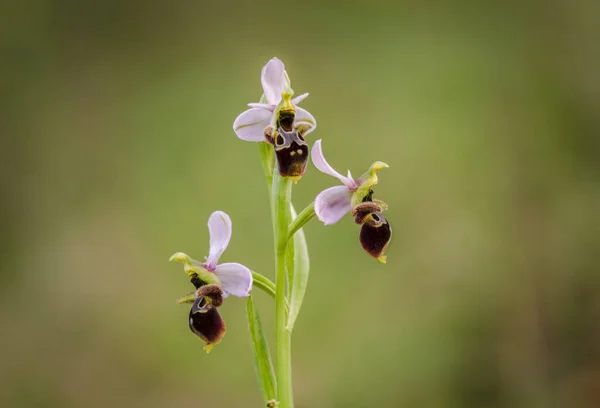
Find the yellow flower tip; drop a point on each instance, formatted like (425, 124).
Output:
(287, 94)
(382, 259)
(286, 100)
(378, 165)
(295, 179)
(180, 257)
(208, 348)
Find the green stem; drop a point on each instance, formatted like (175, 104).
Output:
(266, 159)
(300, 221)
(280, 204)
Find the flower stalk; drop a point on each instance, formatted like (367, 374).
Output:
(280, 203)
(301, 220)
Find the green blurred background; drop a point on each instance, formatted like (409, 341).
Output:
(116, 145)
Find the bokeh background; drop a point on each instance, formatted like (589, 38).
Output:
(116, 145)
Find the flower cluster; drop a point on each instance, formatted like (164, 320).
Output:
(278, 121)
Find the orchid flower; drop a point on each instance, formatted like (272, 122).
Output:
(250, 125)
(213, 282)
(354, 195)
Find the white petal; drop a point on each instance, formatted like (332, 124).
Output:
(219, 228)
(299, 98)
(250, 125)
(320, 163)
(333, 203)
(235, 279)
(273, 80)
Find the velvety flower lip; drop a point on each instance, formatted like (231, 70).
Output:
(205, 322)
(250, 124)
(375, 235)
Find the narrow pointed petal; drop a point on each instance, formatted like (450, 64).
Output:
(219, 228)
(332, 204)
(235, 279)
(299, 98)
(320, 163)
(250, 124)
(206, 323)
(272, 78)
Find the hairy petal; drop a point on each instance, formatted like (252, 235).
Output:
(272, 78)
(333, 203)
(320, 163)
(235, 279)
(219, 228)
(250, 124)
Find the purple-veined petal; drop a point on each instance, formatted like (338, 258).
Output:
(250, 125)
(320, 163)
(299, 98)
(272, 78)
(219, 228)
(266, 106)
(333, 203)
(235, 279)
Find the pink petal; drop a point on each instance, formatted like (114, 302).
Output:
(219, 228)
(333, 203)
(299, 98)
(250, 125)
(235, 279)
(273, 80)
(320, 163)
